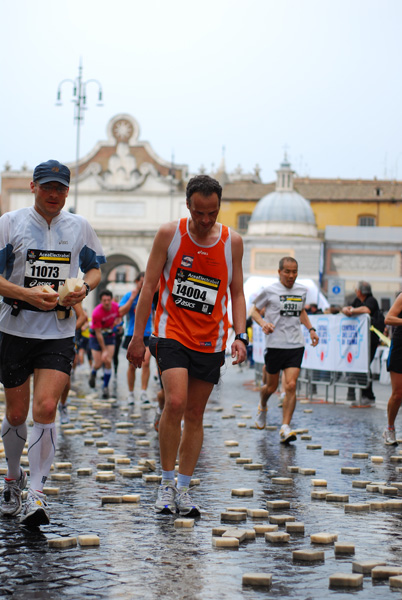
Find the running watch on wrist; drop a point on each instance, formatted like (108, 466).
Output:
(243, 337)
(88, 288)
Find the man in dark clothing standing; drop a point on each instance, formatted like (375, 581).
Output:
(364, 303)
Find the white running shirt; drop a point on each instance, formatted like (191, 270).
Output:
(35, 253)
(282, 308)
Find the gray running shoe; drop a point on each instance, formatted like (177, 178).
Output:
(10, 503)
(165, 504)
(389, 437)
(105, 393)
(184, 504)
(64, 416)
(35, 511)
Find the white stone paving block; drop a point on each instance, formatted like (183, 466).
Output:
(323, 537)
(257, 579)
(88, 540)
(242, 492)
(221, 542)
(62, 542)
(345, 580)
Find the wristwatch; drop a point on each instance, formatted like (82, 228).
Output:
(88, 288)
(243, 337)
(312, 329)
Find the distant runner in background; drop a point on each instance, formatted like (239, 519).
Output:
(282, 304)
(102, 339)
(128, 305)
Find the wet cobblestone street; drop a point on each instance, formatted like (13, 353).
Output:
(144, 556)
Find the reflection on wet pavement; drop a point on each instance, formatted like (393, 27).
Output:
(143, 556)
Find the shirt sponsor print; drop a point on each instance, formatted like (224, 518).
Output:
(187, 261)
(194, 291)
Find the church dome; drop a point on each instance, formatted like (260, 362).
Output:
(284, 211)
(283, 207)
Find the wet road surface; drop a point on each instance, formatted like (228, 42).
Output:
(143, 556)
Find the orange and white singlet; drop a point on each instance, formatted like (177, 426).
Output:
(193, 296)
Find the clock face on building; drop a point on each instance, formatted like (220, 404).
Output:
(123, 130)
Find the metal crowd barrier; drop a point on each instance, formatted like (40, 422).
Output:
(310, 378)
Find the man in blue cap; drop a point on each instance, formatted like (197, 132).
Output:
(40, 246)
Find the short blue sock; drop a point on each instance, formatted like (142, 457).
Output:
(168, 476)
(183, 481)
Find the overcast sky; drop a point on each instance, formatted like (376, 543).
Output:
(321, 77)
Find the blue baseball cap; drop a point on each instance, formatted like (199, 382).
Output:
(52, 170)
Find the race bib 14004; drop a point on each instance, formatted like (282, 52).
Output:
(194, 291)
(46, 267)
(290, 306)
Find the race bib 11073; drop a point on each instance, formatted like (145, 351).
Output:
(46, 267)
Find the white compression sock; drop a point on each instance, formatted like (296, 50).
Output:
(41, 451)
(14, 439)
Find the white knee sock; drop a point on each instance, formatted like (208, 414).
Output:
(14, 439)
(41, 451)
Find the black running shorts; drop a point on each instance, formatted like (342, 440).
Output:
(109, 339)
(394, 360)
(128, 338)
(20, 356)
(277, 359)
(170, 354)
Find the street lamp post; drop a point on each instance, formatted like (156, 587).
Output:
(80, 101)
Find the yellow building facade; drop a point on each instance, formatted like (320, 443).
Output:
(337, 202)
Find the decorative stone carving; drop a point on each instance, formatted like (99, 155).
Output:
(122, 173)
(370, 263)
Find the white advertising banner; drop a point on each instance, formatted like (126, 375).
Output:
(343, 346)
(258, 343)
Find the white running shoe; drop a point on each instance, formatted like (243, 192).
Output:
(184, 504)
(389, 437)
(64, 416)
(144, 397)
(165, 503)
(130, 398)
(35, 511)
(261, 417)
(10, 502)
(286, 435)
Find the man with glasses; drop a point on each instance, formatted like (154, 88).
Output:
(40, 247)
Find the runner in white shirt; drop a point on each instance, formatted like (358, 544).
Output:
(39, 246)
(279, 310)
